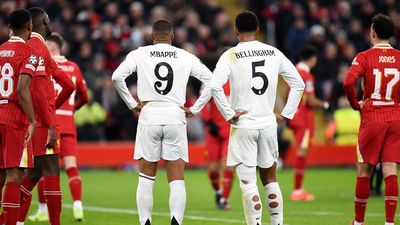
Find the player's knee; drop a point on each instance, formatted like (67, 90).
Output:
(389, 169)
(15, 175)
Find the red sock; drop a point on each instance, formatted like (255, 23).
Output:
(75, 183)
(1, 202)
(11, 203)
(52, 194)
(391, 195)
(361, 198)
(299, 167)
(227, 183)
(214, 178)
(26, 197)
(40, 189)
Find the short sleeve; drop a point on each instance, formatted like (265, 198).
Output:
(29, 63)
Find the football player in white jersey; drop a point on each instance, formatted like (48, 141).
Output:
(253, 69)
(162, 76)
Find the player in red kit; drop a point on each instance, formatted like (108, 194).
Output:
(44, 143)
(303, 121)
(18, 63)
(65, 119)
(379, 136)
(217, 139)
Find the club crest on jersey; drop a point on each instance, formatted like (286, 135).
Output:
(33, 59)
(355, 62)
(41, 61)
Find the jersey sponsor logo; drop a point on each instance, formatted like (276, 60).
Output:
(355, 62)
(387, 59)
(254, 53)
(7, 53)
(165, 54)
(33, 60)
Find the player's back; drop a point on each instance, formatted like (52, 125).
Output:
(380, 72)
(255, 67)
(163, 72)
(16, 57)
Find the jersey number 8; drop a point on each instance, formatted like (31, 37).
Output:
(169, 78)
(6, 81)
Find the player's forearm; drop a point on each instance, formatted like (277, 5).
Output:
(314, 102)
(350, 90)
(125, 94)
(42, 105)
(25, 99)
(222, 103)
(292, 103)
(204, 98)
(67, 88)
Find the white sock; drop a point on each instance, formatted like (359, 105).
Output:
(274, 203)
(251, 204)
(77, 204)
(20, 223)
(144, 197)
(177, 200)
(387, 223)
(42, 208)
(250, 196)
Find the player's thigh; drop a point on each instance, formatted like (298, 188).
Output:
(371, 140)
(175, 143)
(14, 152)
(68, 145)
(212, 147)
(391, 145)
(302, 135)
(242, 147)
(267, 147)
(148, 142)
(39, 141)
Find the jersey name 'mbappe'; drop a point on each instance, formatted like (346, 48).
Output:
(254, 53)
(164, 54)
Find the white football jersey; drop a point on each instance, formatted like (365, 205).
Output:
(162, 75)
(253, 69)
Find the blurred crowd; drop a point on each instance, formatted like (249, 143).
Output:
(99, 33)
(338, 28)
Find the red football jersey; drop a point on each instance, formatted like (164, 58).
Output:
(304, 115)
(16, 57)
(379, 69)
(37, 42)
(211, 112)
(66, 112)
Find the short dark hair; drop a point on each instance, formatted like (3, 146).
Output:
(307, 52)
(36, 12)
(19, 19)
(56, 38)
(162, 27)
(246, 22)
(383, 26)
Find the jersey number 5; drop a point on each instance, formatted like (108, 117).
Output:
(169, 78)
(378, 82)
(6, 81)
(261, 75)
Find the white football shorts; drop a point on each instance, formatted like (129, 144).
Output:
(253, 147)
(168, 142)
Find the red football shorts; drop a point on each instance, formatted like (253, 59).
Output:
(13, 154)
(217, 147)
(68, 145)
(379, 143)
(303, 136)
(39, 143)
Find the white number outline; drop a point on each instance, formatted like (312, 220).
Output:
(7, 72)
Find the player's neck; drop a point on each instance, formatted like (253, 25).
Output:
(23, 36)
(247, 37)
(381, 42)
(162, 42)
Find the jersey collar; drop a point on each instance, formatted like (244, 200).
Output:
(303, 66)
(16, 39)
(60, 58)
(37, 35)
(383, 46)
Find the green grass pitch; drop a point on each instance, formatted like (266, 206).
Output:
(109, 197)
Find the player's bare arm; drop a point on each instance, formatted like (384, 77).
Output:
(25, 98)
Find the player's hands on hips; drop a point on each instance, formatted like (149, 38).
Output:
(51, 137)
(235, 117)
(362, 103)
(29, 133)
(139, 107)
(188, 112)
(280, 119)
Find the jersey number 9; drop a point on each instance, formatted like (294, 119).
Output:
(169, 78)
